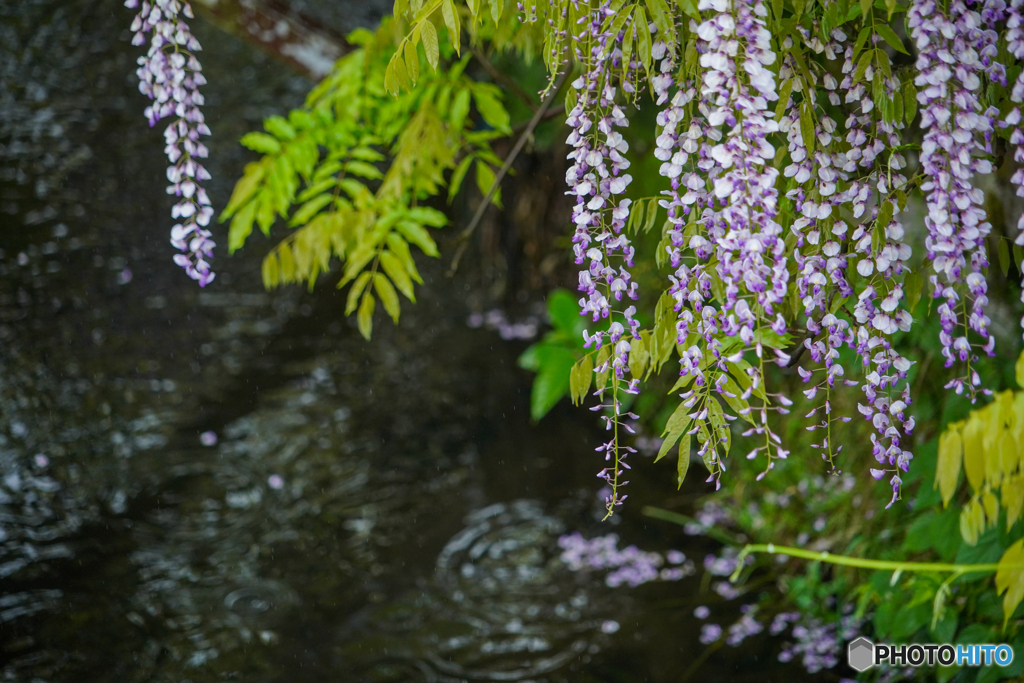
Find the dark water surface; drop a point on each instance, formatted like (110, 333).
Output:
(371, 512)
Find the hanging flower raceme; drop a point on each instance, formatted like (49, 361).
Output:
(170, 75)
(737, 86)
(1015, 45)
(598, 178)
(954, 55)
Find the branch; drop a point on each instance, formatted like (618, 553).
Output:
(464, 236)
(862, 563)
(516, 89)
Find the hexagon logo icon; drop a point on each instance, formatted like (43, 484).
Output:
(860, 654)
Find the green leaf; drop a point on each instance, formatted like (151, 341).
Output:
(563, 310)
(412, 60)
(244, 189)
(396, 271)
(388, 295)
(400, 248)
(678, 423)
(428, 34)
(862, 65)
(485, 180)
(652, 215)
(279, 127)
(552, 380)
(364, 170)
(784, 95)
(807, 125)
(913, 284)
(270, 271)
(458, 175)
(581, 378)
(310, 209)
(261, 142)
(910, 101)
(643, 45)
(1019, 370)
(365, 316)
(1010, 579)
(639, 357)
(390, 79)
(490, 107)
(862, 38)
(689, 7)
(889, 36)
(428, 216)
(974, 451)
(417, 234)
(241, 227)
(684, 460)
(1003, 252)
(460, 109)
(353, 293)
(947, 471)
(451, 20)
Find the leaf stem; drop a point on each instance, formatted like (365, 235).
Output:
(861, 562)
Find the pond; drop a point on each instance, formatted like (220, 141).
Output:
(201, 485)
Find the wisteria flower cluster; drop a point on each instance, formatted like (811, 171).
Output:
(597, 178)
(628, 566)
(170, 75)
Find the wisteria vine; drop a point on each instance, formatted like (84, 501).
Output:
(170, 75)
(597, 176)
(783, 226)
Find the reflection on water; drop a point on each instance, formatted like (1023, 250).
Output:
(367, 512)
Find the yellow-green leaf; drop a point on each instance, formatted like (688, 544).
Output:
(412, 60)
(353, 294)
(1013, 498)
(400, 248)
(365, 317)
(244, 188)
(429, 36)
(451, 20)
(970, 526)
(418, 235)
(1019, 370)
(991, 505)
(1010, 579)
(396, 271)
(580, 379)
(270, 271)
(639, 356)
(310, 209)
(388, 295)
(684, 459)
(241, 227)
(974, 451)
(947, 471)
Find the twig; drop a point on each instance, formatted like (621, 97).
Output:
(464, 236)
(505, 80)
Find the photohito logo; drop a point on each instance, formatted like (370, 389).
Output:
(862, 654)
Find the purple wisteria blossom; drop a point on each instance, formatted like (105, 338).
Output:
(955, 54)
(170, 75)
(598, 179)
(723, 204)
(629, 566)
(1015, 45)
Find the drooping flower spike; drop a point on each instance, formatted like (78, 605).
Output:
(170, 75)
